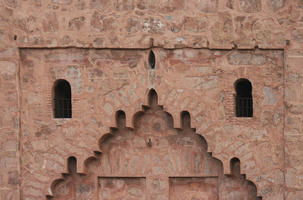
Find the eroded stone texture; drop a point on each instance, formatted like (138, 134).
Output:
(193, 188)
(145, 19)
(293, 119)
(250, 6)
(9, 121)
(276, 4)
(122, 188)
(298, 35)
(50, 24)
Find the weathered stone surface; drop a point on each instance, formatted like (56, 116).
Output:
(118, 19)
(195, 25)
(250, 6)
(246, 58)
(276, 4)
(200, 81)
(7, 68)
(10, 3)
(270, 96)
(62, 1)
(222, 31)
(298, 35)
(130, 188)
(13, 177)
(200, 188)
(208, 5)
(50, 23)
(76, 24)
(263, 30)
(153, 25)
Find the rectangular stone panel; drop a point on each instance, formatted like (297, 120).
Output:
(189, 188)
(116, 188)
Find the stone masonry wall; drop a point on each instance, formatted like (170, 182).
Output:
(43, 40)
(167, 23)
(9, 120)
(198, 81)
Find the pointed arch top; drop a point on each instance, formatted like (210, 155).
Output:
(152, 98)
(152, 60)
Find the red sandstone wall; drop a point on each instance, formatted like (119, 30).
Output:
(9, 120)
(293, 125)
(171, 23)
(139, 24)
(198, 81)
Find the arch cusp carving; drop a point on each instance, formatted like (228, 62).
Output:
(153, 153)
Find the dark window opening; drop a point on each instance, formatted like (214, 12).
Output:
(185, 120)
(235, 167)
(62, 99)
(152, 60)
(72, 165)
(121, 119)
(152, 98)
(244, 100)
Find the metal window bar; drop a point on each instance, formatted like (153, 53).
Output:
(244, 106)
(63, 108)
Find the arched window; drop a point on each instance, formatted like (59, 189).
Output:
(152, 98)
(185, 120)
(235, 167)
(244, 100)
(72, 165)
(120, 119)
(62, 99)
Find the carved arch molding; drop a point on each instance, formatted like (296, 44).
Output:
(152, 161)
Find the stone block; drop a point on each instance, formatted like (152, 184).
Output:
(250, 6)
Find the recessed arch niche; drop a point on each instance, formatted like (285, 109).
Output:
(153, 161)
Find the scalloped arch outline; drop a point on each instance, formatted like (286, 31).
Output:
(121, 123)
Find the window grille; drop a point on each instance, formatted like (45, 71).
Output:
(244, 106)
(63, 108)
(62, 99)
(244, 100)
